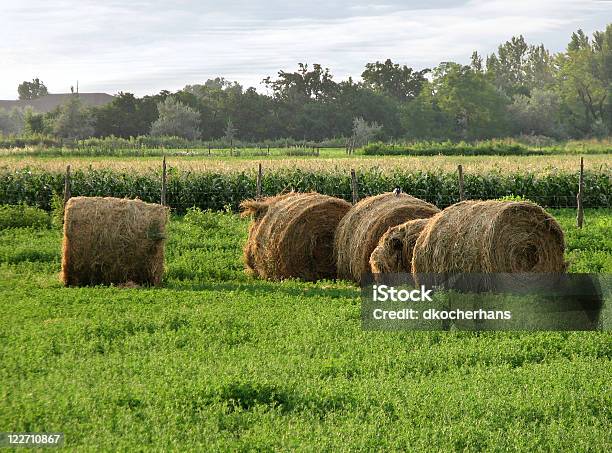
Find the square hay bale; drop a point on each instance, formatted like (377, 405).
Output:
(113, 241)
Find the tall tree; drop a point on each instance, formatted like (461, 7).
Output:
(126, 116)
(32, 90)
(468, 97)
(176, 119)
(11, 121)
(585, 82)
(73, 120)
(229, 132)
(399, 82)
(316, 83)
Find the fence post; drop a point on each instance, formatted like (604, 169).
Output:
(268, 150)
(461, 191)
(354, 186)
(209, 150)
(163, 188)
(259, 180)
(580, 214)
(67, 185)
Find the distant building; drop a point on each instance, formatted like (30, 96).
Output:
(47, 103)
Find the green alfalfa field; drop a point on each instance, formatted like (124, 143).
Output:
(216, 360)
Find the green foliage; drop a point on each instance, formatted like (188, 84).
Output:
(400, 82)
(208, 190)
(32, 90)
(73, 120)
(513, 198)
(519, 89)
(217, 360)
(472, 104)
(57, 210)
(34, 124)
(522, 146)
(11, 121)
(448, 148)
(142, 145)
(21, 216)
(176, 119)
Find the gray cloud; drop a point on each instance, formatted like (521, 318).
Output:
(146, 46)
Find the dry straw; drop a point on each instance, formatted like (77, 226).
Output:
(256, 209)
(360, 230)
(113, 241)
(490, 237)
(393, 254)
(292, 235)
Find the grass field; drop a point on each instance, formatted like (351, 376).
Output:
(217, 360)
(474, 164)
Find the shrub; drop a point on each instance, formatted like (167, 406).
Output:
(22, 216)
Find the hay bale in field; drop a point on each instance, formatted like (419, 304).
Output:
(256, 209)
(490, 237)
(292, 235)
(113, 241)
(393, 254)
(360, 230)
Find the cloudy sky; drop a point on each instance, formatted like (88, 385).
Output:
(144, 46)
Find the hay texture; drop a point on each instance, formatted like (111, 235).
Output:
(113, 241)
(490, 237)
(360, 230)
(292, 235)
(256, 209)
(393, 254)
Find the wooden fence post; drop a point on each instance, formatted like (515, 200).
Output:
(259, 181)
(580, 214)
(354, 186)
(163, 187)
(461, 191)
(67, 185)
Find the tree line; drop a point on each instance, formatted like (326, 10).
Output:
(521, 89)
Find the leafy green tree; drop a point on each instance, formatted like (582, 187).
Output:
(584, 82)
(212, 102)
(471, 100)
(73, 120)
(423, 119)
(363, 132)
(230, 132)
(399, 82)
(316, 83)
(126, 116)
(32, 90)
(538, 114)
(34, 123)
(518, 67)
(11, 121)
(176, 119)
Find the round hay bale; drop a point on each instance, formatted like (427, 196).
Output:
(292, 236)
(360, 230)
(113, 241)
(256, 209)
(393, 254)
(490, 237)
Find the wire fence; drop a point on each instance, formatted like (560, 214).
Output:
(222, 191)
